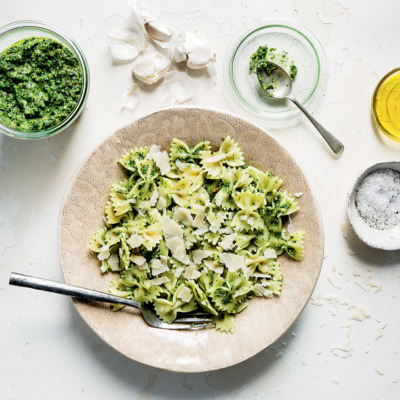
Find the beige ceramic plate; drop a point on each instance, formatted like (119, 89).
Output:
(263, 322)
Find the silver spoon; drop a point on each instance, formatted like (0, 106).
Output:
(281, 88)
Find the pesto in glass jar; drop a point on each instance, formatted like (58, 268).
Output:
(41, 84)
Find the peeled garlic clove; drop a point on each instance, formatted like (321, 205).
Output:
(150, 68)
(157, 30)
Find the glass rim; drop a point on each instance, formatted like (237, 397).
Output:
(373, 104)
(312, 41)
(78, 52)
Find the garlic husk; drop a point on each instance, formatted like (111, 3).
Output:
(191, 48)
(157, 30)
(150, 68)
(132, 99)
(125, 44)
(138, 15)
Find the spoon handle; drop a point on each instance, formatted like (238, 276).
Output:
(335, 144)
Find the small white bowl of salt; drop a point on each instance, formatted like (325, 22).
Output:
(373, 205)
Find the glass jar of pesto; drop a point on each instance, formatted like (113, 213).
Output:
(44, 80)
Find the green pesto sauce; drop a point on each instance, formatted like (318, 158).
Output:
(259, 63)
(40, 84)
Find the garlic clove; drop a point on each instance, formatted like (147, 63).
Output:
(157, 30)
(150, 68)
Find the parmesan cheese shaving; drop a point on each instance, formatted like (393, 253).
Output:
(270, 253)
(183, 215)
(159, 266)
(135, 241)
(113, 262)
(260, 290)
(177, 247)
(159, 281)
(154, 197)
(214, 159)
(171, 228)
(185, 294)
(359, 313)
(191, 272)
(161, 159)
(178, 272)
(214, 266)
(161, 204)
(344, 229)
(232, 261)
(199, 255)
(198, 220)
(138, 260)
(227, 243)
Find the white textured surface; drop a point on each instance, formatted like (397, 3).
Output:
(48, 351)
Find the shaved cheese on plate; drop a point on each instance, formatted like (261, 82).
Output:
(185, 294)
(191, 272)
(214, 266)
(161, 204)
(183, 215)
(270, 253)
(177, 247)
(104, 253)
(113, 262)
(214, 159)
(178, 272)
(159, 281)
(199, 255)
(135, 241)
(260, 290)
(232, 261)
(161, 159)
(200, 214)
(154, 197)
(138, 260)
(298, 194)
(171, 228)
(200, 231)
(219, 197)
(158, 266)
(227, 243)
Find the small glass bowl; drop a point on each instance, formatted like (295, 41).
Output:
(16, 31)
(302, 46)
(390, 113)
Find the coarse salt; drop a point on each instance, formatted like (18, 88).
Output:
(377, 198)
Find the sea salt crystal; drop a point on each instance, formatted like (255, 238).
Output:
(377, 198)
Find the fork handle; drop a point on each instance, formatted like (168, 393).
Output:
(68, 290)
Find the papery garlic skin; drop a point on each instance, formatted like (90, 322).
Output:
(157, 30)
(192, 49)
(126, 45)
(150, 68)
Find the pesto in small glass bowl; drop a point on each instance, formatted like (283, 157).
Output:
(44, 80)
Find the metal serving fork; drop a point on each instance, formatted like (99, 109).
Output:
(189, 321)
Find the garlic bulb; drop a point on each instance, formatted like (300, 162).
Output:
(150, 68)
(157, 30)
(192, 49)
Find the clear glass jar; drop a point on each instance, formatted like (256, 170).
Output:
(16, 31)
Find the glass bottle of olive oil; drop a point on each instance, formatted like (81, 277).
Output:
(386, 104)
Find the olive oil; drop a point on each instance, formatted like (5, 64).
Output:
(386, 105)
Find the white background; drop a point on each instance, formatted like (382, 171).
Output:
(48, 352)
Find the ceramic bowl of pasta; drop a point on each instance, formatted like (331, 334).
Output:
(192, 209)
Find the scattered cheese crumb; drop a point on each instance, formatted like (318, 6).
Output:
(199, 218)
(333, 267)
(293, 333)
(356, 272)
(178, 272)
(199, 255)
(154, 197)
(367, 351)
(379, 332)
(280, 354)
(303, 361)
(351, 252)
(284, 344)
(378, 371)
(183, 215)
(298, 194)
(319, 352)
(360, 313)
(214, 266)
(334, 380)
(360, 284)
(330, 280)
(344, 229)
